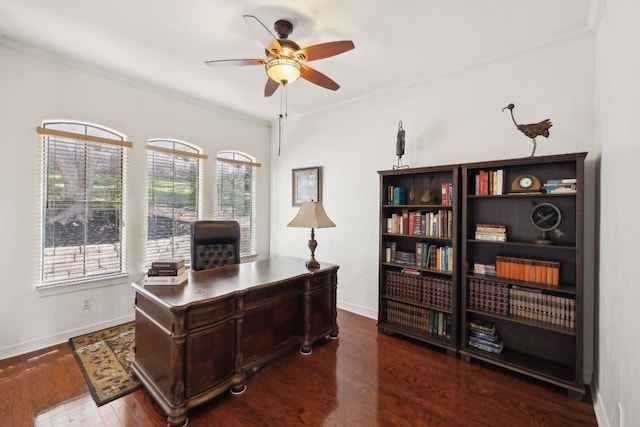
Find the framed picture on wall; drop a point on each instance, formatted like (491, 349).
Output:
(306, 185)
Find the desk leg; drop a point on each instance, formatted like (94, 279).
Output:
(305, 347)
(178, 416)
(239, 381)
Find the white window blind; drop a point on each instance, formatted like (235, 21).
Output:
(83, 184)
(236, 196)
(173, 183)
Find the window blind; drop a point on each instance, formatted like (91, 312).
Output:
(83, 184)
(236, 196)
(173, 184)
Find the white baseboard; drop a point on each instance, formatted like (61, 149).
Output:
(358, 310)
(39, 344)
(598, 406)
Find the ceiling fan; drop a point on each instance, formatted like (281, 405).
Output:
(285, 61)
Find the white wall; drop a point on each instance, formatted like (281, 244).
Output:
(35, 86)
(617, 378)
(450, 119)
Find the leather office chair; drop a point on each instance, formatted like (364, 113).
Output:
(214, 244)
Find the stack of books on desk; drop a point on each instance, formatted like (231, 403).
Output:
(166, 272)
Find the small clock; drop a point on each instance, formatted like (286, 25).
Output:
(525, 183)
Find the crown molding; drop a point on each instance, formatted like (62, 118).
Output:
(90, 68)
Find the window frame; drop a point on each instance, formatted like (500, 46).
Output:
(54, 132)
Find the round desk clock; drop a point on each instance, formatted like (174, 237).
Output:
(525, 184)
(545, 217)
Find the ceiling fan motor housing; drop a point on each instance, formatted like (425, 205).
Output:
(283, 28)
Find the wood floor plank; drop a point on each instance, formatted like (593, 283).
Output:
(361, 379)
(15, 400)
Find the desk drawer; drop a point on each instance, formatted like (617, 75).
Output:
(211, 313)
(323, 280)
(272, 296)
(159, 314)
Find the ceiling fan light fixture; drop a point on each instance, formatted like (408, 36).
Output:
(283, 70)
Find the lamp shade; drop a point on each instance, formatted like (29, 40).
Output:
(283, 70)
(311, 215)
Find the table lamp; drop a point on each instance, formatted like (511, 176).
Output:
(312, 215)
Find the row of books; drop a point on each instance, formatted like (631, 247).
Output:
(397, 195)
(534, 304)
(447, 193)
(437, 223)
(564, 185)
(166, 272)
(434, 257)
(483, 336)
(423, 319)
(489, 296)
(528, 270)
(494, 232)
(428, 289)
(489, 182)
(426, 255)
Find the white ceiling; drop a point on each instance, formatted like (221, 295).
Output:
(165, 42)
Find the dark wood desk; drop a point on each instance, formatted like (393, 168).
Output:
(198, 339)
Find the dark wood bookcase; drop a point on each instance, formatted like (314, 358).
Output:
(540, 325)
(418, 286)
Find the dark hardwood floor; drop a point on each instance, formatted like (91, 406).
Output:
(361, 379)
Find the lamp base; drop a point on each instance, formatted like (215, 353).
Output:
(312, 263)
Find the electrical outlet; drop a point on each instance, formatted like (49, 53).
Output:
(86, 303)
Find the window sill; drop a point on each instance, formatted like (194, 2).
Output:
(249, 258)
(82, 285)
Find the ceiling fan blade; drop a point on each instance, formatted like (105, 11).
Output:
(263, 35)
(323, 50)
(226, 62)
(270, 87)
(316, 77)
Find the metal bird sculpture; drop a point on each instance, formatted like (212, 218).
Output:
(533, 129)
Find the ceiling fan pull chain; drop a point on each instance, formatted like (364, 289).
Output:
(279, 132)
(284, 109)
(283, 100)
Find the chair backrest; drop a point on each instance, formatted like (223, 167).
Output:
(214, 243)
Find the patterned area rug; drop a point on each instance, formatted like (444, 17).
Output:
(105, 358)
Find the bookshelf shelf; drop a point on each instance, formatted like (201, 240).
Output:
(522, 195)
(419, 335)
(536, 367)
(418, 236)
(525, 321)
(418, 255)
(418, 303)
(515, 243)
(425, 206)
(539, 325)
(570, 290)
(423, 269)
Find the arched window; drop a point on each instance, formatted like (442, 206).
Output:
(173, 195)
(83, 203)
(236, 195)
